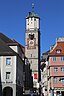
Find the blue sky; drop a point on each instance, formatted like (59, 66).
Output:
(51, 12)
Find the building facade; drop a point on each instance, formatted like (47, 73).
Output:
(44, 74)
(56, 69)
(53, 71)
(11, 67)
(32, 47)
(28, 78)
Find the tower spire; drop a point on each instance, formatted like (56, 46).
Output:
(32, 7)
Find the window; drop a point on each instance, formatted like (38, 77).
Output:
(35, 19)
(62, 80)
(54, 59)
(55, 69)
(31, 18)
(31, 55)
(28, 20)
(55, 79)
(31, 36)
(45, 89)
(62, 59)
(58, 51)
(62, 69)
(8, 75)
(31, 61)
(8, 61)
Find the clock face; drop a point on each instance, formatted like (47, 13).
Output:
(31, 43)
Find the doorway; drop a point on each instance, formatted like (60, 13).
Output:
(62, 93)
(7, 91)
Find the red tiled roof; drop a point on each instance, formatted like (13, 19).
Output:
(58, 46)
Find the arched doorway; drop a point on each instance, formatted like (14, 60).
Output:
(7, 91)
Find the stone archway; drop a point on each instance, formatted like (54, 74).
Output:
(7, 91)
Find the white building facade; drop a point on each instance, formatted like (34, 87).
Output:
(11, 68)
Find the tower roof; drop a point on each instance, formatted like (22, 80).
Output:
(32, 14)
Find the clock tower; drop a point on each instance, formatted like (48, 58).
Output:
(32, 47)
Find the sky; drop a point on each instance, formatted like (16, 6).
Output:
(51, 12)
